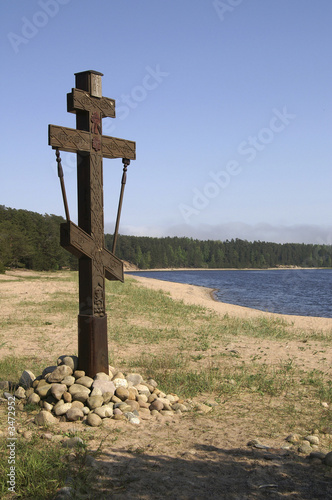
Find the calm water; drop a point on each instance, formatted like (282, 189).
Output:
(304, 292)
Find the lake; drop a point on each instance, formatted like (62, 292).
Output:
(302, 292)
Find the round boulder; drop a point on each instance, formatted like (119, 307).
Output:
(74, 414)
(94, 420)
(57, 390)
(86, 381)
(27, 379)
(45, 418)
(59, 374)
(95, 402)
(104, 386)
(122, 393)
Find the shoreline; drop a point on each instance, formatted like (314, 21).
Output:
(177, 269)
(203, 296)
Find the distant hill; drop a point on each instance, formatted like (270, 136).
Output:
(31, 240)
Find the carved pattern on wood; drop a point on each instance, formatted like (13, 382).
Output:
(80, 100)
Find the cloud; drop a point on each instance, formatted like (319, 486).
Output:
(298, 233)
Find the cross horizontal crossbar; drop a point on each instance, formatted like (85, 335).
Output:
(81, 100)
(81, 244)
(73, 140)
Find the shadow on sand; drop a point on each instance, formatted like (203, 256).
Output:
(207, 472)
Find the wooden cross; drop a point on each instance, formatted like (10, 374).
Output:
(86, 240)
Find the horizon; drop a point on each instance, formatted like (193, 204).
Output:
(108, 231)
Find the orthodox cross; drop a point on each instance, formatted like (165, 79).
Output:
(86, 240)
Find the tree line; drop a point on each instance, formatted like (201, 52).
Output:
(150, 253)
(31, 240)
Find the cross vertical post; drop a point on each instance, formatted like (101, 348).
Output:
(86, 240)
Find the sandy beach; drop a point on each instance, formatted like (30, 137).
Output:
(191, 294)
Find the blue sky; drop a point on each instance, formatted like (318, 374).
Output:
(229, 102)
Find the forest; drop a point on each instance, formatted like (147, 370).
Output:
(31, 240)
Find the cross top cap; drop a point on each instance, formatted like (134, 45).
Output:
(90, 81)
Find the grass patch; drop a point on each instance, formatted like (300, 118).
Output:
(172, 371)
(11, 367)
(41, 467)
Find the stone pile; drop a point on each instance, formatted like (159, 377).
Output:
(65, 393)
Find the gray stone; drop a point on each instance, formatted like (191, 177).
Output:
(69, 380)
(123, 407)
(33, 399)
(145, 413)
(104, 386)
(179, 406)
(74, 414)
(7, 395)
(95, 402)
(134, 378)
(305, 448)
(57, 390)
(61, 409)
(71, 361)
(134, 420)
(104, 411)
(152, 382)
(312, 439)
(172, 398)
(47, 406)
(20, 393)
(157, 405)
(142, 389)
(85, 410)
(122, 393)
(107, 396)
(142, 398)
(134, 405)
(96, 392)
(43, 390)
(80, 396)
(120, 382)
(86, 381)
(77, 404)
(328, 459)
(94, 420)
(45, 418)
(167, 404)
(40, 382)
(60, 373)
(26, 379)
(133, 393)
(129, 415)
(293, 438)
(4, 385)
(76, 388)
(29, 391)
